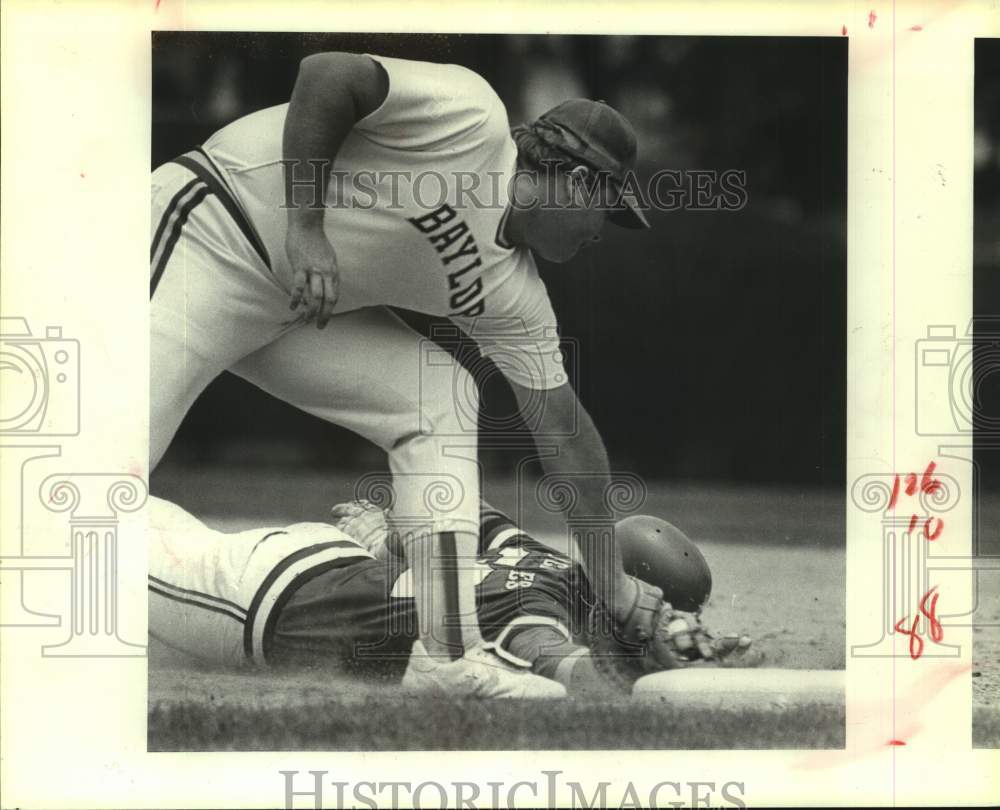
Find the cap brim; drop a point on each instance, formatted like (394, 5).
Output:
(631, 216)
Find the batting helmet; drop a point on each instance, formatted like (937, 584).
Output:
(662, 555)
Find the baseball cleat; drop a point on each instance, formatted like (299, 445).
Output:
(479, 673)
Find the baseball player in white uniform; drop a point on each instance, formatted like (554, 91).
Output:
(310, 214)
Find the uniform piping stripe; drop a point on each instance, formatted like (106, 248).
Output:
(175, 234)
(522, 622)
(273, 586)
(487, 512)
(450, 574)
(169, 219)
(162, 226)
(313, 571)
(491, 522)
(267, 536)
(503, 537)
(211, 179)
(195, 603)
(197, 594)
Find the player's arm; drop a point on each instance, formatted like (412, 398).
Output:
(554, 656)
(564, 422)
(333, 91)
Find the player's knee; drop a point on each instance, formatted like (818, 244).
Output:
(449, 403)
(447, 407)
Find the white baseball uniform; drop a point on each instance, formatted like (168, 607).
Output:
(219, 299)
(212, 595)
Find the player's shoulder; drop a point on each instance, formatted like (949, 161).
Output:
(477, 86)
(494, 112)
(458, 76)
(452, 85)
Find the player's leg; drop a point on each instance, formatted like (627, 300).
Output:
(365, 372)
(211, 300)
(190, 613)
(342, 621)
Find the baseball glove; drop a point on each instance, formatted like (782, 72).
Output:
(366, 524)
(654, 637)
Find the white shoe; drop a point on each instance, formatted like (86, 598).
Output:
(478, 673)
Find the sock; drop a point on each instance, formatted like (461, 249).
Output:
(444, 585)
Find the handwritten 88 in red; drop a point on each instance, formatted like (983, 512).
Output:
(930, 613)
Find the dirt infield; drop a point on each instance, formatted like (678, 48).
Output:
(986, 663)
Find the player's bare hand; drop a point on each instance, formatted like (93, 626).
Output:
(315, 275)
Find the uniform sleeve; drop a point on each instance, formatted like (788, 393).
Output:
(432, 107)
(493, 525)
(519, 331)
(545, 647)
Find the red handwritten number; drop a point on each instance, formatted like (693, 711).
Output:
(927, 484)
(936, 630)
(916, 643)
(895, 492)
(936, 532)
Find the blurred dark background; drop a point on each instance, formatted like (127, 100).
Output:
(986, 294)
(711, 347)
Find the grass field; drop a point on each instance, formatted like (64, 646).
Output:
(300, 713)
(778, 566)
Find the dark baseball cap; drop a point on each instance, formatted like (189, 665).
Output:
(601, 137)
